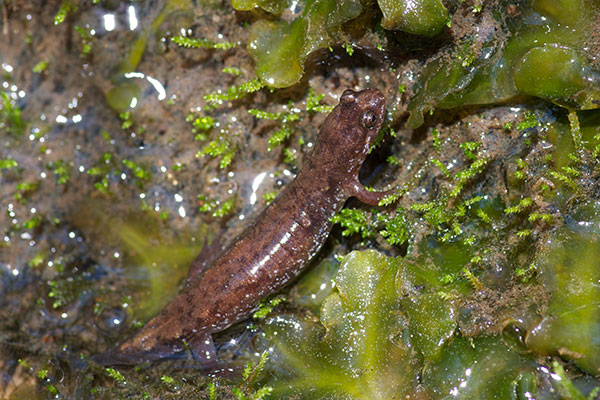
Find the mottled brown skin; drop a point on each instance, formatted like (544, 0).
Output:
(274, 249)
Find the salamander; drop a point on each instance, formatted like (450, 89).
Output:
(273, 250)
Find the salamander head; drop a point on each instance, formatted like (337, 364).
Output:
(350, 129)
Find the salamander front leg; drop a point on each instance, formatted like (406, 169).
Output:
(370, 198)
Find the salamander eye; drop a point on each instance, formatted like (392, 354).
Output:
(368, 119)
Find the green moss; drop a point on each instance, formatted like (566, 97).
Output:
(355, 222)
(10, 116)
(232, 71)
(40, 67)
(43, 373)
(270, 196)
(564, 179)
(247, 387)
(32, 222)
(435, 137)
(444, 214)
(221, 147)
(8, 163)
(287, 119)
(37, 260)
(201, 125)
(86, 40)
(62, 169)
(313, 102)
(66, 7)
(116, 375)
(169, 381)
(140, 172)
(266, 307)
(396, 229)
(218, 208)
(66, 288)
(235, 92)
(52, 390)
(523, 204)
(576, 131)
(202, 43)
(225, 209)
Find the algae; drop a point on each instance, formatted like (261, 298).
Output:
(423, 17)
(535, 54)
(357, 352)
(280, 47)
(571, 326)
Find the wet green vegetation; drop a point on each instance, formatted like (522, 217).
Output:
(538, 52)
(477, 279)
(571, 325)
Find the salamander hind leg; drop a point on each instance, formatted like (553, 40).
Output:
(204, 352)
(211, 250)
(205, 358)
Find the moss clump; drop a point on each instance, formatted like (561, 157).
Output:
(10, 116)
(221, 147)
(202, 43)
(217, 208)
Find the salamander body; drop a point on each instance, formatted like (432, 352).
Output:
(274, 249)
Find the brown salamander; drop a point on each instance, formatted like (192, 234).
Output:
(273, 249)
